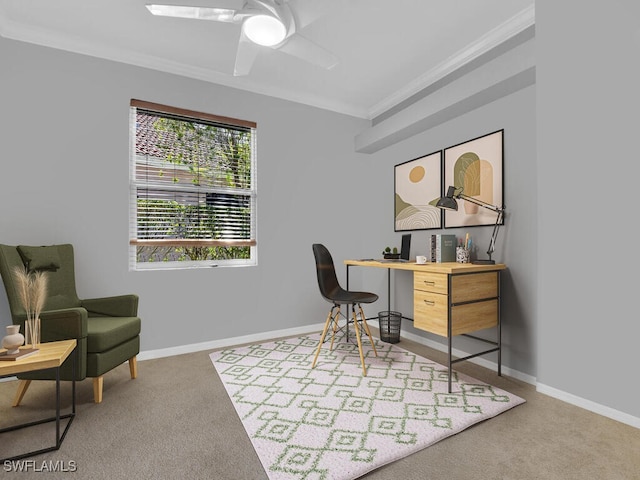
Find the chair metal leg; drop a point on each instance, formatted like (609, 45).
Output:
(324, 334)
(357, 329)
(334, 320)
(366, 328)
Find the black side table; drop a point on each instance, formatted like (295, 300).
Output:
(51, 355)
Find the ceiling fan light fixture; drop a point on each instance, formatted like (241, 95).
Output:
(264, 30)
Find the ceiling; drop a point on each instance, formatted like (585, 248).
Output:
(387, 50)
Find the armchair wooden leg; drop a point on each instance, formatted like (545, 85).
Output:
(22, 389)
(97, 389)
(133, 367)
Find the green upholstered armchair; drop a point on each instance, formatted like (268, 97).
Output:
(107, 329)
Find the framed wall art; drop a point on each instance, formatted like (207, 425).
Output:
(418, 185)
(475, 167)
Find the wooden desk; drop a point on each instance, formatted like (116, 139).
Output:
(450, 299)
(51, 355)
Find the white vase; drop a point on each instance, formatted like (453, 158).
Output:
(13, 340)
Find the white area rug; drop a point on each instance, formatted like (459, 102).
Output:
(331, 422)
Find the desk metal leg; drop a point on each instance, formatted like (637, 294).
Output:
(499, 325)
(348, 307)
(348, 276)
(450, 366)
(388, 289)
(449, 341)
(499, 345)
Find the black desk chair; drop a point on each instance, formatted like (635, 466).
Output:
(337, 296)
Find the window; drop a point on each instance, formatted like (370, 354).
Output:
(193, 189)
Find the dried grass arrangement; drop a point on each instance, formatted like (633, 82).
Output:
(32, 291)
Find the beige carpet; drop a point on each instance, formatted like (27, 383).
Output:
(176, 421)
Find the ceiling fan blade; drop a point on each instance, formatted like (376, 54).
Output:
(245, 56)
(200, 13)
(305, 49)
(307, 13)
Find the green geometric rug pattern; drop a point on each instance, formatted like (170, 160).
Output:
(330, 422)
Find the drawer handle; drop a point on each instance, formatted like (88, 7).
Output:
(429, 283)
(430, 302)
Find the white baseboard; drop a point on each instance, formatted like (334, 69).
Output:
(228, 342)
(589, 405)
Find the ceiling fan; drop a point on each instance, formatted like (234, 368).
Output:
(264, 24)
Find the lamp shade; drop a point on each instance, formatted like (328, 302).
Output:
(448, 203)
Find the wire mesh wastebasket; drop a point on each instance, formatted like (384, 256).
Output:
(390, 323)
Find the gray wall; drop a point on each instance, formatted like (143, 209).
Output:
(587, 103)
(65, 179)
(65, 167)
(569, 317)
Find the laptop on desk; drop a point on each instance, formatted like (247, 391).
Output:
(404, 251)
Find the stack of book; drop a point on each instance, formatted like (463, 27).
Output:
(23, 353)
(443, 248)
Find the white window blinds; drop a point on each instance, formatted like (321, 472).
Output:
(193, 193)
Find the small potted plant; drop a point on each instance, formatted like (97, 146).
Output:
(391, 254)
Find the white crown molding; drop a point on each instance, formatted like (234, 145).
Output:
(484, 44)
(46, 38)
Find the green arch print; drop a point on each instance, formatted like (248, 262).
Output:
(475, 166)
(475, 176)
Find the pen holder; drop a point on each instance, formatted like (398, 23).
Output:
(462, 255)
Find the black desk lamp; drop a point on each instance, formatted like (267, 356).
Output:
(449, 203)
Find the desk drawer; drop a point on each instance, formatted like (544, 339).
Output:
(430, 282)
(474, 316)
(475, 286)
(430, 312)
